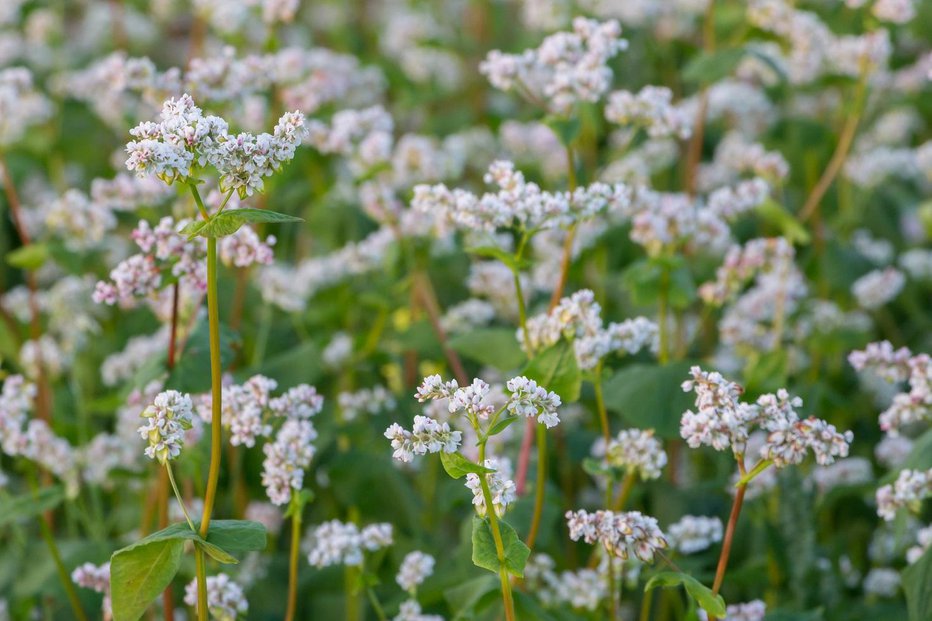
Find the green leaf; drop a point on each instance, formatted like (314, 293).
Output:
(215, 552)
(555, 369)
(139, 574)
(566, 129)
(483, 548)
(773, 213)
(917, 584)
(237, 535)
(222, 224)
(644, 281)
(30, 505)
(649, 396)
(29, 257)
(502, 424)
(596, 467)
(709, 67)
(494, 347)
(708, 601)
(192, 229)
(262, 215)
(458, 466)
(494, 252)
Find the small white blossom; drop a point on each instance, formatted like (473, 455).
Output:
(167, 418)
(225, 598)
(621, 533)
(693, 534)
(415, 568)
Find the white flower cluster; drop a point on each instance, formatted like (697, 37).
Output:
(651, 109)
(167, 418)
(289, 454)
(908, 491)
(414, 570)
(501, 487)
(426, 436)
(410, 610)
(338, 543)
(693, 534)
(762, 255)
(532, 401)
(638, 452)
(882, 582)
(878, 287)
(362, 136)
(851, 471)
(365, 401)
(895, 11)
(467, 315)
(754, 610)
(267, 514)
(721, 420)
(583, 589)
(923, 543)
(96, 578)
(578, 317)
(185, 139)
(79, 222)
(43, 355)
(21, 105)
(907, 408)
(225, 598)
(567, 68)
(518, 203)
(621, 533)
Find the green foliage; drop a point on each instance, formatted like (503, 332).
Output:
(917, 584)
(648, 396)
(555, 369)
(485, 555)
(701, 594)
(458, 466)
(17, 508)
(494, 347)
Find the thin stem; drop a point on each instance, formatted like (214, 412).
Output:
(432, 306)
(694, 149)
(627, 484)
(646, 605)
(62, 571)
(293, 564)
(729, 533)
(497, 538)
(216, 372)
(600, 405)
(376, 606)
(662, 323)
(612, 590)
(171, 478)
(841, 149)
(540, 484)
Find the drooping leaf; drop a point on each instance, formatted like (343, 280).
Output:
(237, 535)
(502, 424)
(555, 369)
(494, 347)
(483, 548)
(709, 67)
(215, 552)
(139, 573)
(494, 252)
(708, 601)
(649, 396)
(228, 222)
(774, 213)
(248, 214)
(566, 129)
(458, 466)
(30, 505)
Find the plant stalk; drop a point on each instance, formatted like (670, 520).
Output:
(507, 598)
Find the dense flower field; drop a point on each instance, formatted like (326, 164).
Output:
(433, 310)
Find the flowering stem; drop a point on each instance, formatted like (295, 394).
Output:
(429, 300)
(600, 406)
(729, 533)
(497, 538)
(612, 590)
(539, 484)
(627, 484)
(376, 606)
(171, 478)
(213, 474)
(841, 150)
(293, 561)
(662, 303)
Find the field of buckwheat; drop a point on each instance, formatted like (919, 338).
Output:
(479, 310)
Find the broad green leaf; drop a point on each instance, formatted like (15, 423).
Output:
(709, 67)
(483, 548)
(262, 215)
(773, 213)
(29, 257)
(237, 535)
(222, 224)
(649, 396)
(708, 601)
(917, 584)
(644, 281)
(139, 574)
(192, 229)
(494, 347)
(30, 505)
(463, 597)
(458, 466)
(555, 369)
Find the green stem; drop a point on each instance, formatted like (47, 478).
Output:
(600, 405)
(293, 563)
(507, 599)
(376, 606)
(662, 303)
(216, 372)
(171, 478)
(540, 484)
(62, 571)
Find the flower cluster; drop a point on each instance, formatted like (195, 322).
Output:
(622, 534)
(338, 543)
(567, 68)
(426, 436)
(908, 491)
(721, 420)
(167, 418)
(367, 400)
(501, 487)
(693, 534)
(907, 408)
(747, 611)
(415, 569)
(878, 287)
(532, 401)
(96, 578)
(638, 452)
(649, 108)
(185, 139)
(225, 598)
(21, 105)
